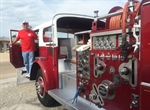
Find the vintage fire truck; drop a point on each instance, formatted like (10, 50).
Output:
(93, 63)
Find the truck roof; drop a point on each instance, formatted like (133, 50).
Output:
(62, 15)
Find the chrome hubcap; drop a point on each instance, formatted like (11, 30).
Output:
(40, 87)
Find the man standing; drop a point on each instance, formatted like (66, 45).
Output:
(27, 37)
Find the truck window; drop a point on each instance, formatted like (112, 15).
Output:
(47, 34)
(62, 33)
(14, 35)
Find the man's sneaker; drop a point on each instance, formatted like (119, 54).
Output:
(27, 75)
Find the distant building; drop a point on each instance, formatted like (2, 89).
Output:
(4, 41)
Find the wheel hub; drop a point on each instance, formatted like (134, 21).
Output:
(40, 87)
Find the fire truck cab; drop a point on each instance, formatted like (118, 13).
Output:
(93, 63)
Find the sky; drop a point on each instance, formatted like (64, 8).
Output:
(13, 12)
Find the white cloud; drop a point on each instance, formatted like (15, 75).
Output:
(13, 12)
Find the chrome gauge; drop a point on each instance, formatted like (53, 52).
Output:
(104, 42)
(83, 64)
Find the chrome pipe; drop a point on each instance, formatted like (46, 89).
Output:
(110, 15)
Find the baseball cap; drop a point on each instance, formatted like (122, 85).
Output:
(25, 22)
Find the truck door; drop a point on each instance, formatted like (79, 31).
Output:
(15, 51)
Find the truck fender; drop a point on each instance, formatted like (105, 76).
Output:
(50, 79)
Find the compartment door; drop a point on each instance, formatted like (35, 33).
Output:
(145, 96)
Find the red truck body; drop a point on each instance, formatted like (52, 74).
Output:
(103, 64)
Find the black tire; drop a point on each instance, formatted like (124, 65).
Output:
(44, 98)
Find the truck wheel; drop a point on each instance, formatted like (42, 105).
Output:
(43, 96)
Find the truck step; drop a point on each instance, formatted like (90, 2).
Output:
(21, 79)
(66, 98)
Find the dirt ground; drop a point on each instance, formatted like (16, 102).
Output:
(13, 97)
(6, 69)
(21, 97)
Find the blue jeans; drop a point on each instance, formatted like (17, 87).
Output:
(28, 58)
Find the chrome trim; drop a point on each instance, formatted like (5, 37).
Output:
(40, 58)
(82, 32)
(111, 32)
(65, 98)
(146, 3)
(145, 84)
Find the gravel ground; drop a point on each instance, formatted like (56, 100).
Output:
(22, 97)
(13, 97)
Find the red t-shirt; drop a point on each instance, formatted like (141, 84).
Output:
(27, 38)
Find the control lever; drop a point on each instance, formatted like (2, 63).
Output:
(137, 43)
(136, 46)
(101, 102)
(134, 103)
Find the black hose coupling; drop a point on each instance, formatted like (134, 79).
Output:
(125, 46)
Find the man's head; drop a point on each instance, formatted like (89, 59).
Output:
(25, 25)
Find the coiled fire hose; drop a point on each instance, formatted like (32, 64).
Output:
(120, 20)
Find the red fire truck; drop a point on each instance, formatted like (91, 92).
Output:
(93, 63)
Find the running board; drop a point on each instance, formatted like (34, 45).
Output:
(65, 98)
(21, 79)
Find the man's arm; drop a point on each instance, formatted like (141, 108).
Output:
(16, 39)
